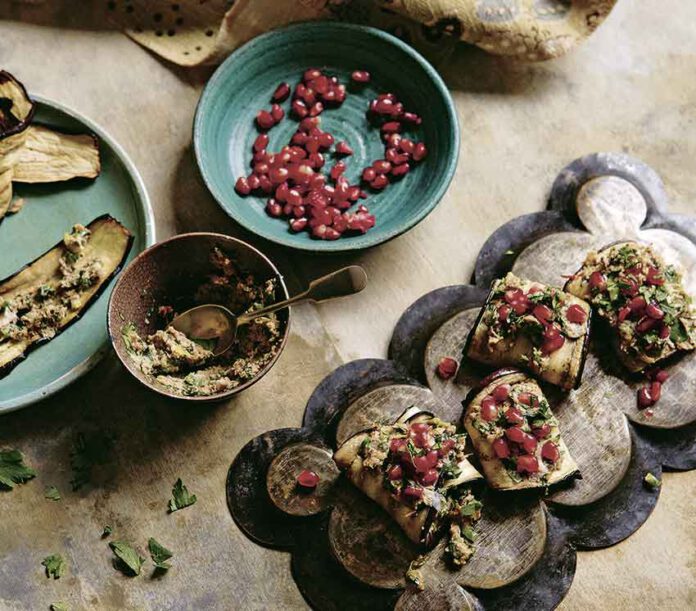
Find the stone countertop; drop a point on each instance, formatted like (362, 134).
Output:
(630, 88)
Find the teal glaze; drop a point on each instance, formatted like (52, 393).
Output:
(50, 210)
(224, 129)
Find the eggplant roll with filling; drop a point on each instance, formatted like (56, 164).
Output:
(416, 470)
(533, 326)
(515, 434)
(643, 300)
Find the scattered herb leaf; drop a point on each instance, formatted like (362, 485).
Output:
(182, 497)
(55, 566)
(52, 493)
(13, 470)
(89, 450)
(131, 561)
(652, 481)
(107, 531)
(159, 554)
(58, 607)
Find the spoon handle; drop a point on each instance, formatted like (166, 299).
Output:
(341, 283)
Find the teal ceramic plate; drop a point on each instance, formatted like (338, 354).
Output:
(49, 211)
(224, 128)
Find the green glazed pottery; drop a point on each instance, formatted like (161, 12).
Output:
(50, 210)
(224, 128)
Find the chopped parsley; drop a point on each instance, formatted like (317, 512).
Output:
(470, 508)
(52, 493)
(469, 534)
(55, 566)
(159, 554)
(13, 470)
(129, 561)
(58, 607)
(651, 481)
(89, 450)
(181, 497)
(107, 532)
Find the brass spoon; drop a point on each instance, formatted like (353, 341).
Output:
(216, 322)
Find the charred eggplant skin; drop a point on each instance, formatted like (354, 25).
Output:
(6, 77)
(8, 367)
(577, 380)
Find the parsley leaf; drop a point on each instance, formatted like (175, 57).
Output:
(470, 508)
(55, 566)
(13, 470)
(159, 554)
(469, 533)
(58, 607)
(89, 450)
(51, 493)
(131, 561)
(651, 481)
(182, 497)
(107, 531)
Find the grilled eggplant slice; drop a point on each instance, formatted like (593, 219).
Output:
(537, 327)
(643, 300)
(44, 298)
(52, 156)
(416, 470)
(515, 435)
(16, 112)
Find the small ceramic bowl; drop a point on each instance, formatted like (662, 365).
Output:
(224, 128)
(169, 272)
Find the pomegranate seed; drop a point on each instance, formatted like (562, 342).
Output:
(420, 427)
(391, 127)
(550, 452)
(514, 416)
(655, 391)
(429, 478)
(298, 224)
(369, 174)
(253, 181)
(542, 313)
(542, 431)
(576, 314)
(299, 108)
(501, 448)
(308, 479)
(661, 376)
(340, 224)
(342, 148)
(326, 140)
(655, 277)
(278, 175)
(623, 313)
(637, 304)
(393, 156)
(360, 76)
(407, 146)
(337, 170)
(515, 434)
(265, 120)
(383, 107)
(598, 281)
(281, 193)
(265, 184)
(261, 143)
(504, 313)
(529, 444)
(422, 440)
(309, 123)
(382, 166)
(447, 367)
(316, 160)
(242, 186)
(310, 74)
(396, 473)
(392, 140)
(313, 145)
(401, 170)
(413, 492)
(273, 208)
(277, 113)
(316, 109)
(299, 138)
(654, 312)
(318, 231)
(525, 398)
(287, 210)
(553, 340)
(501, 393)
(411, 117)
(644, 398)
(489, 409)
(397, 445)
(354, 193)
(420, 152)
(446, 447)
(664, 332)
(293, 197)
(629, 287)
(299, 211)
(645, 324)
(527, 464)
(281, 93)
(380, 182)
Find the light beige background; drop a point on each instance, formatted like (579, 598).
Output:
(630, 88)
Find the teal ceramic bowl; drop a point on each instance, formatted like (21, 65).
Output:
(50, 210)
(224, 127)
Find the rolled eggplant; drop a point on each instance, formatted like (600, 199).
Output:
(416, 470)
(45, 297)
(643, 300)
(533, 326)
(515, 434)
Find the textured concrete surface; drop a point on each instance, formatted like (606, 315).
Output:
(629, 88)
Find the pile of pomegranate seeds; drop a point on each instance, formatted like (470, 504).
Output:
(650, 394)
(307, 479)
(447, 367)
(298, 191)
(516, 441)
